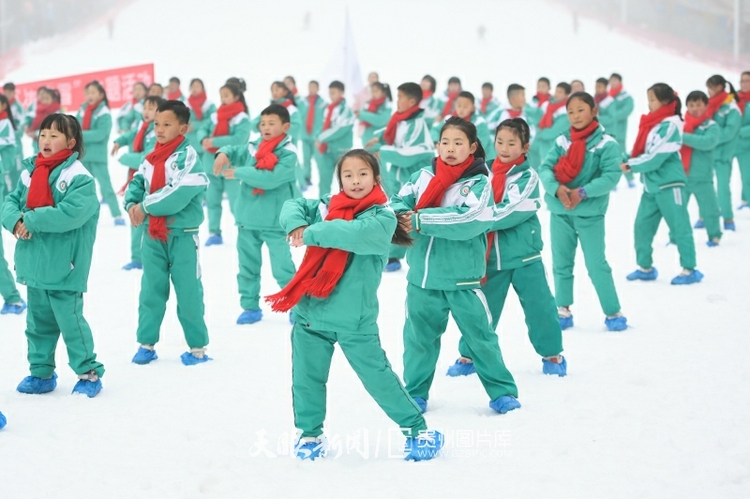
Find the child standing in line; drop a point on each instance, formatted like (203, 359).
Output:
(267, 173)
(130, 112)
(156, 90)
(201, 110)
(446, 208)
(166, 195)
(96, 123)
(466, 110)
(446, 106)
(429, 102)
(578, 174)
(552, 123)
(539, 102)
(743, 144)
(291, 84)
(514, 255)
(173, 90)
(53, 213)
(517, 108)
(376, 112)
(489, 103)
(335, 138)
(312, 110)
(14, 171)
(656, 156)
(48, 102)
(142, 141)
(281, 95)
(334, 295)
(228, 126)
(615, 109)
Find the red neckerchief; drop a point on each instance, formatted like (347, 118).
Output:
(445, 176)
(196, 104)
(323, 147)
(40, 192)
(647, 123)
(265, 158)
(548, 118)
(157, 226)
(569, 165)
(88, 114)
(389, 136)
(224, 115)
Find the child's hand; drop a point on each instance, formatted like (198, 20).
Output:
(575, 198)
(229, 174)
(563, 194)
(221, 162)
(137, 216)
(404, 220)
(295, 237)
(372, 142)
(625, 167)
(208, 143)
(20, 231)
(115, 148)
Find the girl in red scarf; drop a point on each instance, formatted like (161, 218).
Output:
(201, 110)
(377, 111)
(743, 144)
(553, 122)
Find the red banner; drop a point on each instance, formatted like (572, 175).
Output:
(118, 83)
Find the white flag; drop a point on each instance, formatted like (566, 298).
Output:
(344, 65)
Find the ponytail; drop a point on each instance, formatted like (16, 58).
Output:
(98, 86)
(237, 92)
(386, 89)
(720, 81)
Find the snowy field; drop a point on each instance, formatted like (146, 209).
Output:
(660, 410)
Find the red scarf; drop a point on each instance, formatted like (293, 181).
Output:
(598, 98)
(513, 113)
(373, 106)
(322, 268)
(569, 165)
(265, 158)
(286, 103)
(613, 91)
(389, 136)
(445, 176)
(174, 95)
(548, 117)
(223, 115)
(499, 175)
(4, 115)
(40, 192)
(138, 140)
(648, 122)
(88, 114)
(323, 147)
(11, 101)
(426, 94)
(542, 98)
(196, 104)
(744, 99)
(42, 111)
(686, 152)
(157, 226)
(448, 107)
(485, 101)
(311, 100)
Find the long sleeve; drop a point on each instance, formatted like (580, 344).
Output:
(459, 222)
(546, 172)
(188, 182)
(239, 135)
(704, 142)
(100, 130)
(609, 165)
(667, 141)
(76, 208)
(283, 173)
(299, 212)
(728, 132)
(369, 235)
(521, 202)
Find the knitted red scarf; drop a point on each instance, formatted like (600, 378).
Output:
(322, 268)
(196, 104)
(224, 115)
(389, 136)
(569, 165)
(42, 111)
(548, 117)
(448, 107)
(648, 122)
(157, 226)
(4, 115)
(40, 192)
(88, 114)
(311, 100)
(542, 98)
(426, 94)
(445, 176)
(265, 158)
(373, 106)
(514, 113)
(499, 175)
(327, 123)
(174, 95)
(139, 136)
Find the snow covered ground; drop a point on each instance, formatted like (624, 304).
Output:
(660, 410)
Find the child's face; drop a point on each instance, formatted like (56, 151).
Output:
(426, 86)
(357, 178)
(454, 146)
(45, 99)
(372, 78)
(486, 93)
(744, 84)
(167, 127)
(335, 94)
(156, 90)
(542, 87)
(454, 88)
(615, 82)
(227, 97)
(508, 145)
(714, 90)
(11, 94)
(464, 108)
(271, 126)
(653, 102)
(149, 111)
(173, 87)
(560, 94)
(696, 108)
(376, 93)
(93, 95)
(139, 92)
(601, 88)
(290, 84)
(576, 86)
(312, 88)
(403, 102)
(52, 141)
(277, 92)
(3, 107)
(580, 114)
(517, 99)
(196, 88)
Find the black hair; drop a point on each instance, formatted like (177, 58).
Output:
(155, 84)
(602, 81)
(666, 95)
(237, 92)
(52, 92)
(198, 80)
(514, 87)
(9, 86)
(412, 91)
(518, 126)
(616, 75)
(291, 78)
(585, 97)
(697, 95)
(544, 79)
(719, 81)
(577, 81)
(4, 100)
(469, 129)
(288, 94)
(744, 73)
(454, 79)
(141, 84)
(385, 88)
(337, 84)
(433, 82)
(467, 95)
(178, 108)
(278, 110)
(66, 125)
(488, 85)
(98, 86)
(174, 79)
(565, 87)
(237, 81)
(316, 83)
(154, 99)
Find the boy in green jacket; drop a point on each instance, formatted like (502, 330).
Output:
(267, 174)
(53, 213)
(429, 102)
(166, 195)
(312, 111)
(335, 138)
(19, 115)
(743, 138)
(614, 111)
(551, 123)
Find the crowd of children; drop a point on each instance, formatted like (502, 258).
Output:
(450, 183)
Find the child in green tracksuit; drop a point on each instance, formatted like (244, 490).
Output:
(578, 175)
(447, 209)
(312, 112)
(96, 122)
(228, 126)
(743, 142)
(517, 108)
(267, 174)
(429, 102)
(614, 111)
(334, 295)
(465, 109)
(201, 110)
(514, 256)
(283, 96)
(446, 106)
(166, 195)
(376, 112)
(130, 112)
(699, 139)
(13, 171)
(489, 103)
(53, 212)
(656, 156)
(404, 146)
(552, 122)
(141, 140)
(335, 137)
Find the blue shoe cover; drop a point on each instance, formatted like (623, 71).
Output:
(617, 323)
(103, 201)
(742, 206)
(565, 322)
(88, 387)
(631, 185)
(13, 308)
(700, 224)
(144, 356)
(3, 421)
(711, 243)
(504, 404)
(190, 360)
(36, 386)
(119, 222)
(640, 275)
(133, 266)
(422, 403)
(423, 447)
(393, 266)
(730, 226)
(692, 278)
(215, 240)
(461, 368)
(552, 368)
(250, 317)
(310, 449)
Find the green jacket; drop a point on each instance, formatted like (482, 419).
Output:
(729, 119)
(431, 110)
(376, 120)
(129, 115)
(660, 165)
(545, 137)
(450, 246)
(180, 200)
(261, 211)
(96, 139)
(518, 234)
(413, 147)
(492, 105)
(208, 109)
(703, 140)
(743, 137)
(30, 114)
(58, 255)
(134, 159)
(7, 146)
(239, 134)
(353, 304)
(339, 136)
(319, 108)
(599, 174)
(614, 113)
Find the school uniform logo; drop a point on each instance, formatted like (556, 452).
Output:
(465, 190)
(62, 186)
(174, 165)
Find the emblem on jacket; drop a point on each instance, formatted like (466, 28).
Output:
(62, 186)
(465, 190)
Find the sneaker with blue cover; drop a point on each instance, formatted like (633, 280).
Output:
(729, 225)
(556, 365)
(688, 277)
(133, 266)
(422, 403)
(88, 384)
(195, 356)
(424, 446)
(565, 317)
(250, 316)
(119, 222)
(643, 275)
(700, 224)
(215, 240)
(103, 202)
(393, 265)
(36, 386)
(616, 322)
(712, 243)
(145, 355)
(310, 448)
(505, 404)
(13, 308)
(462, 367)
(3, 421)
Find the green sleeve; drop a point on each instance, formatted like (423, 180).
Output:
(533, 113)
(283, 173)
(99, 131)
(609, 165)
(127, 138)
(75, 209)
(136, 190)
(332, 135)
(11, 208)
(731, 126)
(705, 142)
(238, 155)
(521, 202)
(189, 182)
(668, 142)
(378, 119)
(546, 172)
(239, 135)
(620, 110)
(369, 235)
(298, 213)
(459, 223)
(205, 130)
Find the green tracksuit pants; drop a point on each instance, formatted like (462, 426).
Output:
(8, 290)
(708, 205)
(670, 204)
(249, 244)
(565, 233)
(176, 259)
(217, 186)
(426, 319)
(540, 311)
(723, 171)
(743, 158)
(395, 178)
(100, 171)
(308, 153)
(50, 314)
(326, 165)
(136, 239)
(311, 362)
